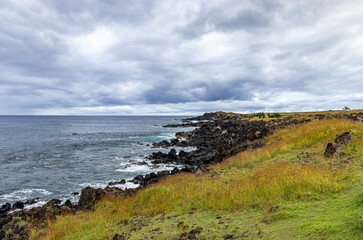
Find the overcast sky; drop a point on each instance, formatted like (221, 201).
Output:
(179, 57)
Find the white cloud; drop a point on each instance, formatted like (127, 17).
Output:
(179, 57)
(93, 44)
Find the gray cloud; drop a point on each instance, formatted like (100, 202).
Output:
(179, 57)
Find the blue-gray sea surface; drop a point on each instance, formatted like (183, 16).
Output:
(53, 156)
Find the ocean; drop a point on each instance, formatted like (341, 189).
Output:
(52, 156)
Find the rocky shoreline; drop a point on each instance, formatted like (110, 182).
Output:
(217, 136)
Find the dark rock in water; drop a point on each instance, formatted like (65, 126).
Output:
(55, 201)
(127, 156)
(6, 207)
(31, 201)
(141, 163)
(158, 155)
(183, 125)
(172, 154)
(68, 203)
(138, 178)
(74, 134)
(174, 141)
(162, 144)
(18, 205)
(333, 149)
(344, 138)
(122, 181)
(75, 193)
(182, 154)
(181, 135)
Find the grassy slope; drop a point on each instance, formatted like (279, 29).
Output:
(285, 190)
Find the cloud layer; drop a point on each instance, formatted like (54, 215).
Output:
(179, 57)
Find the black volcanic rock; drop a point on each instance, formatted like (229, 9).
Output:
(89, 197)
(122, 181)
(182, 125)
(343, 138)
(68, 203)
(18, 205)
(162, 144)
(149, 178)
(6, 207)
(172, 154)
(31, 201)
(333, 149)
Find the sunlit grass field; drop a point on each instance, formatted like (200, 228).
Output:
(284, 190)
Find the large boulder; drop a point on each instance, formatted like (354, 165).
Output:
(89, 197)
(333, 149)
(162, 144)
(357, 117)
(18, 205)
(172, 154)
(6, 207)
(343, 138)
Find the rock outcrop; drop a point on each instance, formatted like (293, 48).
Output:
(334, 148)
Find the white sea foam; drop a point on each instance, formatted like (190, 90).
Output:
(126, 185)
(37, 204)
(134, 168)
(166, 136)
(93, 184)
(104, 184)
(142, 169)
(24, 194)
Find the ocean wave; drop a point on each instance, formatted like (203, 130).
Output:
(142, 169)
(37, 204)
(134, 168)
(105, 184)
(166, 136)
(93, 184)
(24, 194)
(126, 185)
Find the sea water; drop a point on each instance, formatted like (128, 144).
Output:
(52, 156)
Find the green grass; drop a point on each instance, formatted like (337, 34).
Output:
(317, 197)
(336, 217)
